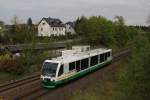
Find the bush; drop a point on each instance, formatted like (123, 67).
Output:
(11, 66)
(134, 81)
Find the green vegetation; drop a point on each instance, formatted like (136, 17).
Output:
(130, 82)
(99, 30)
(134, 80)
(102, 88)
(25, 62)
(28, 63)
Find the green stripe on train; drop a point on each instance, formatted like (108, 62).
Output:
(78, 74)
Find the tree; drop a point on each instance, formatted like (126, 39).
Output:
(148, 33)
(119, 20)
(2, 23)
(96, 29)
(148, 20)
(121, 31)
(133, 80)
(29, 22)
(15, 20)
(79, 24)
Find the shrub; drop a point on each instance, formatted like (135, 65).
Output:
(134, 80)
(12, 66)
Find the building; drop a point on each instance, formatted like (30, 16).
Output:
(70, 27)
(51, 26)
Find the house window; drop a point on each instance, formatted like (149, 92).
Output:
(55, 28)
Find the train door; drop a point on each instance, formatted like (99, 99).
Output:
(66, 68)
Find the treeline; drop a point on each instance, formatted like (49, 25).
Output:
(100, 30)
(18, 32)
(143, 28)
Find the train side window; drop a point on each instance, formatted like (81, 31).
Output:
(105, 56)
(84, 63)
(94, 60)
(71, 66)
(108, 54)
(101, 58)
(61, 70)
(78, 65)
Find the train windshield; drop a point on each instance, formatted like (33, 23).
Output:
(49, 69)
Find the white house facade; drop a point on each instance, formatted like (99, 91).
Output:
(70, 28)
(51, 26)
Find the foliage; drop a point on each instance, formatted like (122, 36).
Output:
(98, 29)
(29, 22)
(148, 35)
(130, 82)
(11, 66)
(119, 20)
(134, 82)
(23, 33)
(30, 61)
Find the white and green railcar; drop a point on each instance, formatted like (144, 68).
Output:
(72, 64)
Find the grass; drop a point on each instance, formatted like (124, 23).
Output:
(102, 89)
(6, 77)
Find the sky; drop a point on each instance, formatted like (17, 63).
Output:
(135, 12)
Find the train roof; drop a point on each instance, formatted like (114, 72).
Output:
(74, 55)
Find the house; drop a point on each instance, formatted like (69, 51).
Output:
(70, 27)
(51, 26)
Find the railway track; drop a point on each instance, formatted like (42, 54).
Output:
(38, 91)
(17, 83)
(34, 95)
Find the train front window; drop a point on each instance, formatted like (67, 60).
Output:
(49, 69)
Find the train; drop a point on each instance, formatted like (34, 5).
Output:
(72, 64)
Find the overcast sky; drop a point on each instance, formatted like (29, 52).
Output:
(135, 12)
